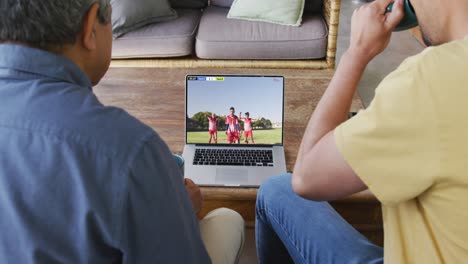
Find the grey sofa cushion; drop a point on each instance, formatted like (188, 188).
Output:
(222, 38)
(222, 3)
(189, 3)
(166, 39)
(128, 15)
(311, 6)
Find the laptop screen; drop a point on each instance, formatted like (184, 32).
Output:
(230, 109)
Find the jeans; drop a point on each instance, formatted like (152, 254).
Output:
(290, 229)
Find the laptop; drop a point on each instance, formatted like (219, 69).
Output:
(234, 129)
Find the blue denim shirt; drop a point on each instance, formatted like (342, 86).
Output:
(81, 182)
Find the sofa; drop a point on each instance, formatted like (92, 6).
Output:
(203, 36)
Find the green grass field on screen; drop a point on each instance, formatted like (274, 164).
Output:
(271, 136)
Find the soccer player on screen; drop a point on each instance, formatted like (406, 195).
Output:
(248, 131)
(232, 127)
(212, 128)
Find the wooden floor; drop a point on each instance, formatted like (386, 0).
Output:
(157, 97)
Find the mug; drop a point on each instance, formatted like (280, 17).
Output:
(180, 162)
(409, 19)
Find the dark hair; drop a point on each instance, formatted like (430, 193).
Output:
(232, 108)
(44, 23)
(247, 113)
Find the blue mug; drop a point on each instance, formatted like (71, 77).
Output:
(409, 19)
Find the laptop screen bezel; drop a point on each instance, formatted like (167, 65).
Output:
(234, 75)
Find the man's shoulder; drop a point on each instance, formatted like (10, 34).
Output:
(445, 58)
(113, 125)
(430, 70)
(107, 130)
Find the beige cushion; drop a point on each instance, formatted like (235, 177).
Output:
(283, 12)
(222, 38)
(311, 6)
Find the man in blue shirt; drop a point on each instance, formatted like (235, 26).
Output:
(81, 182)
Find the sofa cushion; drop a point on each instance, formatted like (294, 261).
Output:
(222, 38)
(166, 39)
(283, 12)
(311, 6)
(221, 3)
(128, 15)
(189, 3)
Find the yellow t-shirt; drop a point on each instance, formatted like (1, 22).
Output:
(410, 147)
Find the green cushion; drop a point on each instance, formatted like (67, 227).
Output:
(128, 15)
(283, 12)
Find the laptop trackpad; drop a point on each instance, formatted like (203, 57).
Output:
(232, 176)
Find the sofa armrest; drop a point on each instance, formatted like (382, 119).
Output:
(331, 13)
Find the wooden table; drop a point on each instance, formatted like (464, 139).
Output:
(157, 97)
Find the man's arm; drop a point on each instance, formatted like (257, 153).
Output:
(157, 217)
(321, 173)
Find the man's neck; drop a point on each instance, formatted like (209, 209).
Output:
(457, 28)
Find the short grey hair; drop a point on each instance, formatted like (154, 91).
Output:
(44, 23)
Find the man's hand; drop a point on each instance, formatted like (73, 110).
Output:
(195, 196)
(371, 27)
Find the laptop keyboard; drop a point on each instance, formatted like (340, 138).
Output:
(233, 157)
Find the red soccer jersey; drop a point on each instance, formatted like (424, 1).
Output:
(247, 124)
(212, 124)
(232, 122)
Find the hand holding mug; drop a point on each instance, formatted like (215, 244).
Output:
(409, 19)
(371, 27)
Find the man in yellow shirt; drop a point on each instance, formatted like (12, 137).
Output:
(408, 147)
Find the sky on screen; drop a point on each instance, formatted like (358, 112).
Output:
(261, 97)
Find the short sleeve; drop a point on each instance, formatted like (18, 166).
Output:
(393, 145)
(158, 221)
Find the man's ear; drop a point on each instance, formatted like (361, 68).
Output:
(88, 28)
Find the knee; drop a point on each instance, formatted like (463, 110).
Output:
(273, 189)
(223, 232)
(227, 217)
